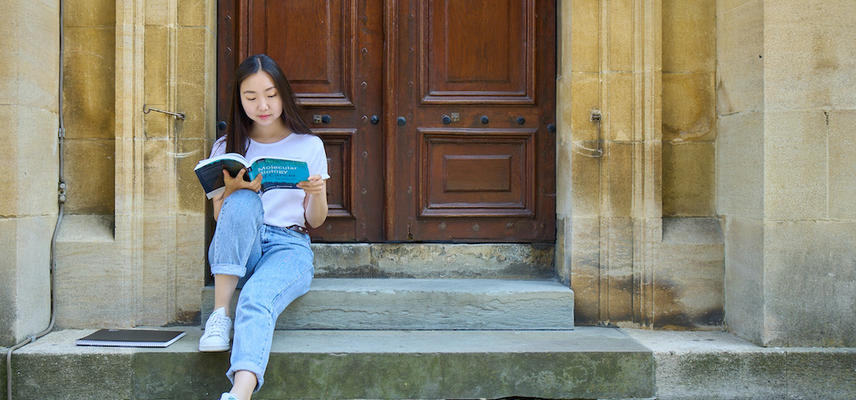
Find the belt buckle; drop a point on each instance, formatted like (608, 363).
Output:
(298, 228)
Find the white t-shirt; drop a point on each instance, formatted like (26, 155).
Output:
(284, 207)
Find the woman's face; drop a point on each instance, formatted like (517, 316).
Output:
(261, 100)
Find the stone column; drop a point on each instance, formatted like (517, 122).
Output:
(786, 162)
(609, 208)
(149, 254)
(29, 83)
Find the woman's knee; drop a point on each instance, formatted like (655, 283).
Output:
(244, 201)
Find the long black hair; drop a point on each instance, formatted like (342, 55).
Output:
(240, 122)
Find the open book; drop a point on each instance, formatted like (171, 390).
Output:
(277, 173)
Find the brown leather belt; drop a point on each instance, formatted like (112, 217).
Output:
(298, 228)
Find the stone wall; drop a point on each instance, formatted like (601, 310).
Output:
(29, 80)
(787, 162)
(133, 251)
(648, 66)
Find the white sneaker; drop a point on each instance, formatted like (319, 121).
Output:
(217, 332)
(229, 396)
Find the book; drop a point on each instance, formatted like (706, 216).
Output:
(277, 173)
(130, 338)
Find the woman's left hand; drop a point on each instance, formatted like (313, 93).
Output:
(314, 185)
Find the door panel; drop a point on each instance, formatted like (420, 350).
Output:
(461, 92)
(332, 53)
(474, 84)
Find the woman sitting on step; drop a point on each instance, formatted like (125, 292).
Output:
(261, 240)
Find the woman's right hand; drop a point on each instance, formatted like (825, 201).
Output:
(238, 182)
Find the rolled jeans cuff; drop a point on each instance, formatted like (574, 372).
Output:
(246, 366)
(228, 269)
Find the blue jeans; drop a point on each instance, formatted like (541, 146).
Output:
(275, 267)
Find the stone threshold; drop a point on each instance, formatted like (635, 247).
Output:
(587, 363)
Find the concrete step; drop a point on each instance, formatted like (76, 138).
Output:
(588, 363)
(434, 260)
(425, 304)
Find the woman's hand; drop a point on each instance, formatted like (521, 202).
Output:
(314, 185)
(233, 184)
(315, 202)
(238, 182)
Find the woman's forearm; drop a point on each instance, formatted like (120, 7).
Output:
(316, 209)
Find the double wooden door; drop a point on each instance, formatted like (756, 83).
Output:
(437, 116)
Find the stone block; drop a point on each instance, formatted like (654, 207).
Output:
(688, 179)
(156, 274)
(814, 262)
(89, 173)
(9, 197)
(37, 161)
(617, 164)
(585, 97)
(689, 111)
(842, 165)
(80, 13)
(744, 277)
(689, 275)
(8, 64)
(740, 165)
(716, 365)
(192, 77)
(795, 165)
(189, 266)
(585, 269)
(810, 57)
(158, 178)
(585, 36)
(157, 12)
(689, 36)
(740, 63)
(8, 281)
(38, 65)
(156, 71)
(94, 283)
(194, 12)
(585, 188)
(619, 117)
(617, 287)
(723, 6)
(32, 286)
(89, 94)
(191, 198)
(620, 31)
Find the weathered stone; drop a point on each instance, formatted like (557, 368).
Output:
(90, 188)
(716, 365)
(378, 260)
(740, 62)
(89, 13)
(689, 111)
(583, 35)
(744, 276)
(815, 262)
(588, 363)
(810, 55)
(620, 25)
(689, 297)
(425, 304)
(689, 36)
(619, 118)
(89, 98)
(688, 179)
(795, 165)
(842, 158)
(740, 165)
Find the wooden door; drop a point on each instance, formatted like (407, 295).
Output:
(487, 174)
(332, 53)
(470, 114)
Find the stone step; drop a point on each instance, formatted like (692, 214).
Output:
(434, 260)
(425, 304)
(588, 363)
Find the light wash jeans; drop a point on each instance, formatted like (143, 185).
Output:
(275, 267)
